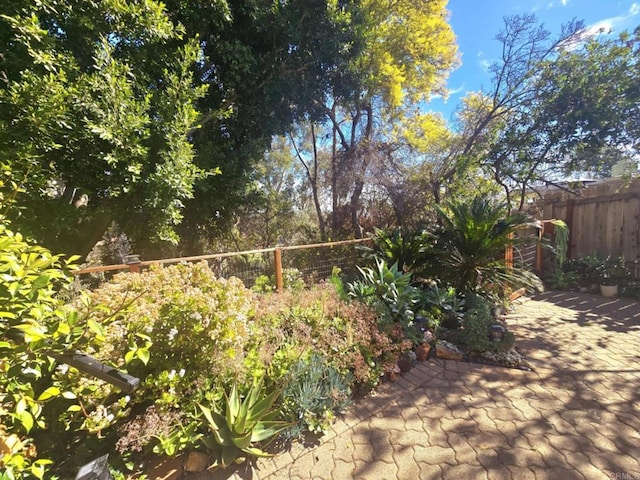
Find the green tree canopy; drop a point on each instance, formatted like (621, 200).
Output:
(557, 107)
(267, 65)
(97, 102)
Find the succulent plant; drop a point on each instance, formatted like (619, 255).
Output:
(245, 423)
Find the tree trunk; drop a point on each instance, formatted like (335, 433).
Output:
(314, 186)
(313, 181)
(355, 208)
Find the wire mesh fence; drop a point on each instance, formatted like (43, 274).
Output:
(246, 266)
(524, 254)
(317, 263)
(525, 250)
(311, 263)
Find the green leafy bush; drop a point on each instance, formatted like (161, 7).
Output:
(592, 270)
(182, 323)
(179, 329)
(613, 270)
(33, 323)
(189, 337)
(561, 279)
(586, 270)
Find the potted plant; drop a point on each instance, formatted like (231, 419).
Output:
(613, 272)
(587, 271)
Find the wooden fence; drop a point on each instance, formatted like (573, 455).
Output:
(313, 262)
(603, 220)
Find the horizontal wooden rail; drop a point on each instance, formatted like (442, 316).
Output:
(212, 256)
(330, 244)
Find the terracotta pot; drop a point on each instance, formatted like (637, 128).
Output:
(422, 352)
(405, 364)
(393, 373)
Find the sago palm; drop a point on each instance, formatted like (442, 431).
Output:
(469, 251)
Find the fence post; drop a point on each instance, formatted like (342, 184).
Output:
(134, 263)
(508, 252)
(569, 222)
(277, 255)
(539, 251)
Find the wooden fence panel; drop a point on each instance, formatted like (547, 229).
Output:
(631, 228)
(604, 219)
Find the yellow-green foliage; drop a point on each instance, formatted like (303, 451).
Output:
(33, 321)
(409, 47)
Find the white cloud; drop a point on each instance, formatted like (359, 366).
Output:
(484, 62)
(603, 26)
(619, 23)
(551, 4)
(450, 93)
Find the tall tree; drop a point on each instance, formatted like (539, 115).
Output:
(279, 210)
(116, 89)
(556, 106)
(97, 104)
(268, 64)
(591, 95)
(407, 48)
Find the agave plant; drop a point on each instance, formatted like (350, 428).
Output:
(470, 245)
(245, 423)
(390, 292)
(406, 248)
(388, 289)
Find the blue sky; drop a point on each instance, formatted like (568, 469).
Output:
(477, 22)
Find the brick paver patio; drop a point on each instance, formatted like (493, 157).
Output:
(576, 416)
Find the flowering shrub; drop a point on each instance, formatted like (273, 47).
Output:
(191, 319)
(293, 326)
(181, 331)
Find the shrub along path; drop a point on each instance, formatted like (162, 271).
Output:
(577, 416)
